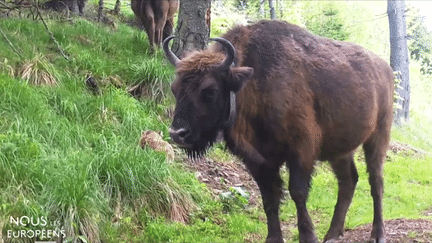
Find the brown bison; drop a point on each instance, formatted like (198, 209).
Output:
(157, 17)
(76, 7)
(282, 95)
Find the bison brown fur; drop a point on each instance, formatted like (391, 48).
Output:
(296, 98)
(157, 18)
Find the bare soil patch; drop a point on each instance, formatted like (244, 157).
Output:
(220, 176)
(406, 149)
(397, 230)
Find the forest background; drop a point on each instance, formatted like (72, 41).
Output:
(70, 155)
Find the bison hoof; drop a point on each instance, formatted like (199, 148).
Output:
(309, 240)
(380, 240)
(331, 241)
(274, 240)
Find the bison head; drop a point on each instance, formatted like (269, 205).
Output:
(205, 91)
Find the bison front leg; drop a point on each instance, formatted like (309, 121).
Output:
(299, 188)
(270, 185)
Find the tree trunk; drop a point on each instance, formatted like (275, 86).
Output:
(193, 30)
(262, 8)
(73, 7)
(117, 7)
(272, 10)
(399, 59)
(100, 9)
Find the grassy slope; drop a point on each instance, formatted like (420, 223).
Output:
(66, 154)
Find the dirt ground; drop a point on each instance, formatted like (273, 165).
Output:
(220, 176)
(397, 230)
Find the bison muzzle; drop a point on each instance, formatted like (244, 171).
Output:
(282, 95)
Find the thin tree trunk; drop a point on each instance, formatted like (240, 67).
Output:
(192, 30)
(272, 10)
(399, 59)
(262, 8)
(100, 9)
(117, 7)
(73, 6)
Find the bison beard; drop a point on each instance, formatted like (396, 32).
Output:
(199, 148)
(300, 98)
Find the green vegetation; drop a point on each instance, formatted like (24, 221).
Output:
(420, 44)
(74, 158)
(71, 156)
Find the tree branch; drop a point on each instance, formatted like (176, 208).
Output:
(11, 45)
(50, 33)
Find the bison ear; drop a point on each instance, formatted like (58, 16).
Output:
(238, 76)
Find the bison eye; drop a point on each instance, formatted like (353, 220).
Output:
(209, 95)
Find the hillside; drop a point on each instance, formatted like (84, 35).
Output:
(70, 155)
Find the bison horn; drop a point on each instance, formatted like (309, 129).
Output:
(230, 52)
(233, 112)
(172, 58)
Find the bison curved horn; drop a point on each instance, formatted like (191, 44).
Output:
(230, 52)
(172, 58)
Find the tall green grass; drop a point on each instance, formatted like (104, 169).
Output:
(74, 157)
(91, 47)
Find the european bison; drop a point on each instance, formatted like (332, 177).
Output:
(76, 7)
(157, 17)
(281, 95)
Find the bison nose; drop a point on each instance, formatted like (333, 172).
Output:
(179, 135)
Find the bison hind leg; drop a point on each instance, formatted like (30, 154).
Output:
(168, 28)
(375, 151)
(347, 176)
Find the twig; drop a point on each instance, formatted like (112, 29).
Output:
(3, 5)
(10, 43)
(50, 33)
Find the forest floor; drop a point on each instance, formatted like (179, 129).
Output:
(220, 176)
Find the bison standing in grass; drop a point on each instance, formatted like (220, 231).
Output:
(282, 95)
(157, 18)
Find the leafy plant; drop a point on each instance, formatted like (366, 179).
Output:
(420, 40)
(236, 197)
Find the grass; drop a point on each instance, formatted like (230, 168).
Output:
(73, 157)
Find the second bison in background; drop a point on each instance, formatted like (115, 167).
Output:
(157, 18)
(283, 95)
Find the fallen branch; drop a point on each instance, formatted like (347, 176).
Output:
(50, 33)
(11, 45)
